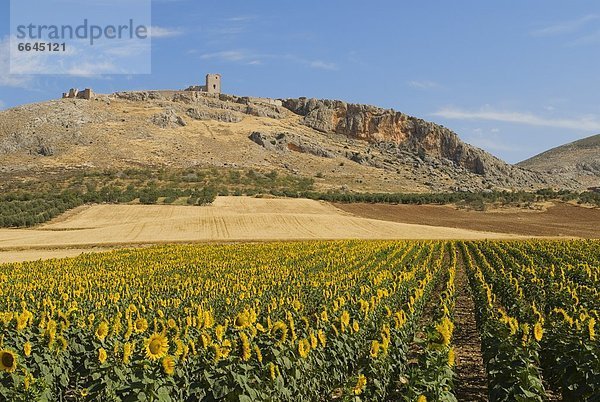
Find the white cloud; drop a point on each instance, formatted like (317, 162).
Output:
(424, 84)
(566, 27)
(585, 123)
(590, 39)
(323, 65)
(230, 55)
(255, 58)
(157, 32)
(241, 18)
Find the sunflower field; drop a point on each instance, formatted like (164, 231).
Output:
(303, 321)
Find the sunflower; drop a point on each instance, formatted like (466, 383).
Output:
(400, 319)
(141, 325)
(102, 356)
(451, 357)
(242, 320)
(168, 364)
(303, 348)
(102, 330)
(209, 321)
(361, 383)
(245, 347)
(279, 331)
(180, 347)
(27, 348)
(205, 340)
(27, 381)
(422, 398)
(217, 352)
(226, 348)
(272, 371)
(322, 337)
(63, 344)
(445, 329)
(538, 331)
(259, 356)
(355, 326)
(591, 329)
(220, 332)
(8, 361)
(314, 342)
(344, 320)
(127, 352)
(23, 319)
(157, 346)
(513, 324)
(375, 349)
(324, 316)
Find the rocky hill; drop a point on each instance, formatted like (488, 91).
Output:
(579, 160)
(355, 147)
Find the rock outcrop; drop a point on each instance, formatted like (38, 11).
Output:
(398, 132)
(168, 119)
(284, 142)
(226, 116)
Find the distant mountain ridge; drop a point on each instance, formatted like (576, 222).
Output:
(578, 160)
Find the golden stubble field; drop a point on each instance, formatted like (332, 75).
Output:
(228, 219)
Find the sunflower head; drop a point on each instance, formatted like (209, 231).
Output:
(361, 383)
(127, 352)
(168, 364)
(344, 320)
(451, 357)
(242, 320)
(140, 325)
(322, 337)
(258, 352)
(157, 346)
(279, 331)
(102, 355)
(538, 331)
(375, 346)
(303, 348)
(245, 348)
(27, 348)
(8, 361)
(102, 330)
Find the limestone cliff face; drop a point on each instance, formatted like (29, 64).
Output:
(411, 134)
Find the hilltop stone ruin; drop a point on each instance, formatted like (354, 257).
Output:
(74, 93)
(212, 86)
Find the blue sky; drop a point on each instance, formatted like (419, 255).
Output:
(512, 77)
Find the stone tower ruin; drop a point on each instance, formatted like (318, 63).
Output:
(213, 83)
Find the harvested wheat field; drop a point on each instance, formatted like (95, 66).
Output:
(227, 219)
